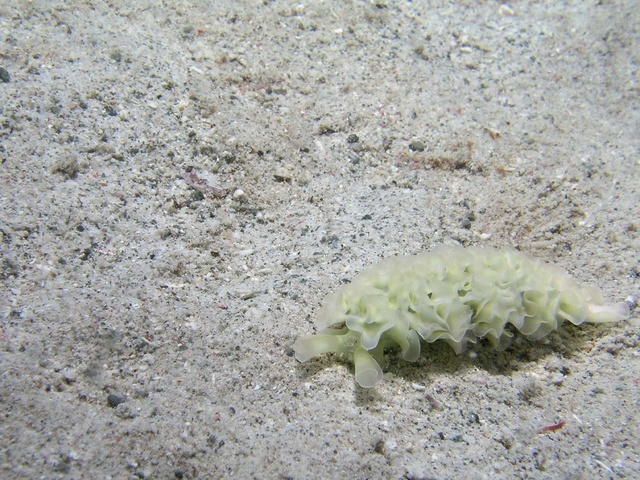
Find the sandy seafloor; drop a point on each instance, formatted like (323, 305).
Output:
(182, 184)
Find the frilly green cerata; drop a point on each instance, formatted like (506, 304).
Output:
(451, 293)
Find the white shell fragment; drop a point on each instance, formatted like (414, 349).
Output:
(451, 293)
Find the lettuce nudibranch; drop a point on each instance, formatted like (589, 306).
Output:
(451, 293)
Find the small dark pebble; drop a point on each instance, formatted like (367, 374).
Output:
(378, 447)
(110, 110)
(417, 146)
(282, 178)
(114, 400)
(9, 268)
(326, 130)
(4, 75)
(228, 157)
(67, 166)
(353, 138)
(61, 466)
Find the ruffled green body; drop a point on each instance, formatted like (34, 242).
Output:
(451, 293)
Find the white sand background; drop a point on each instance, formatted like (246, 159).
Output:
(182, 184)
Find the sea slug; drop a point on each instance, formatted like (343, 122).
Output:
(451, 293)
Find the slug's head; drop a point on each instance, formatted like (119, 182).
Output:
(598, 312)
